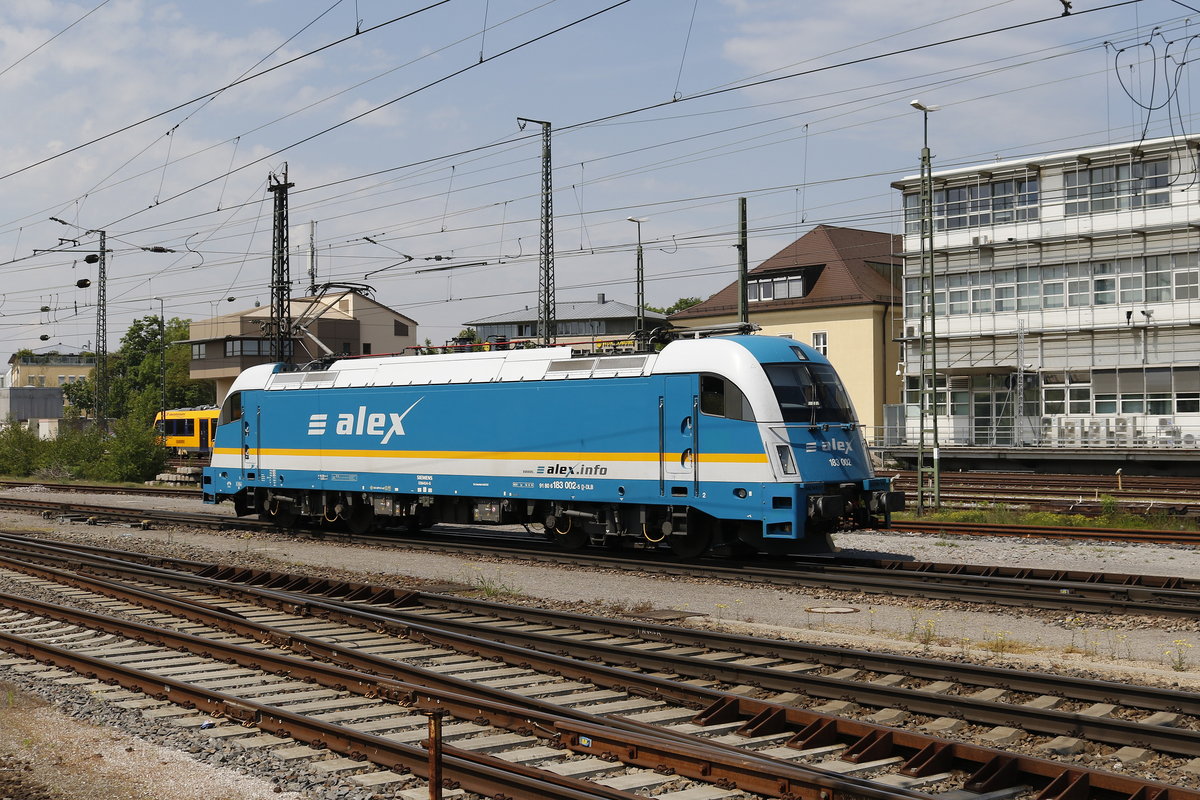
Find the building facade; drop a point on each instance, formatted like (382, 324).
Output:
(591, 326)
(1065, 297)
(47, 370)
(837, 289)
(346, 322)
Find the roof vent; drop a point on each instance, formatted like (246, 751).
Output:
(600, 298)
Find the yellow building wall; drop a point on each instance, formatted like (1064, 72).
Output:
(860, 347)
(48, 375)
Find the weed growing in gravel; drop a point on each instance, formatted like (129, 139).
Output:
(945, 543)
(998, 642)
(1178, 658)
(923, 630)
(493, 586)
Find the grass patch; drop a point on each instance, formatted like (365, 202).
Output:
(1000, 514)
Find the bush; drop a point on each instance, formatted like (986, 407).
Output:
(74, 453)
(132, 453)
(19, 447)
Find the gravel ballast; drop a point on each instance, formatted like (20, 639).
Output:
(1151, 651)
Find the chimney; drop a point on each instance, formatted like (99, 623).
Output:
(600, 298)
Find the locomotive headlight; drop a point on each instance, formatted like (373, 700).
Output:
(785, 459)
(740, 492)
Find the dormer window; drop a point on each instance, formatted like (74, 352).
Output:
(779, 287)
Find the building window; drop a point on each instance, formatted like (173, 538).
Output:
(366, 348)
(1130, 281)
(982, 203)
(253, 347)
(198, 352)
(820, 342)
(1140, 184)
(775, 288)
(399, 328)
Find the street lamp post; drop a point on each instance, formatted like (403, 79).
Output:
(162, 366)
(927, 390)
(641, 283)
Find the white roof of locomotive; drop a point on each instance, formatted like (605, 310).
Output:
(549, 363)
(713, 355)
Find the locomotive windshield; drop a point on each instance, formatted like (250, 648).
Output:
(796, 385)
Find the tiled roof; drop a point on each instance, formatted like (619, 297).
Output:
(838, 261)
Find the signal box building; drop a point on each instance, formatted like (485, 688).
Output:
(837, 289)
(1066, 304)
(346, 322)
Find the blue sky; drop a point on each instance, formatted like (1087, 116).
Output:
(436, 165)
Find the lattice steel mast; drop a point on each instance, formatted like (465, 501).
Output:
(101, 371)
(546, 321)
(280, 326)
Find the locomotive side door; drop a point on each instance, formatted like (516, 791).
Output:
(251, 435)
(679, 440)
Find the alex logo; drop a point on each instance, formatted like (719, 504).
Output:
(835, 445)
(370, 423)
(567, 469)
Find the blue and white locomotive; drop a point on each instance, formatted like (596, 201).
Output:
(738, 442)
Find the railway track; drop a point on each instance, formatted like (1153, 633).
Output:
(676, 712)
(1090, 495)
(1075, 591)
(1049, 532)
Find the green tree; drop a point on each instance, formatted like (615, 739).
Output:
(135, 373)
(678, 305)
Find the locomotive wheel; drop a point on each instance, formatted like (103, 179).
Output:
(360, 519)
(692, 544)
(573, 537)
(281, 515)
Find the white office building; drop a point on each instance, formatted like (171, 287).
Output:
(1066, 292)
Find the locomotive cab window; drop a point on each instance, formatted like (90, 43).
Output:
(721, 398)
(231, 409)
(809, 393)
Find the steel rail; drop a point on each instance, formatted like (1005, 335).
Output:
(376, 597)
(1025, 587)
(705, 760)
(1048, 532)
(479, 773)
(925, 755)
(145, 491)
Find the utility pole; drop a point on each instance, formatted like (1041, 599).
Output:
(162, 366)
(101, 371)
(929, 485)
(281, 280)
(743, 248)
(312, 257)
(641, 284)
(546, 251)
